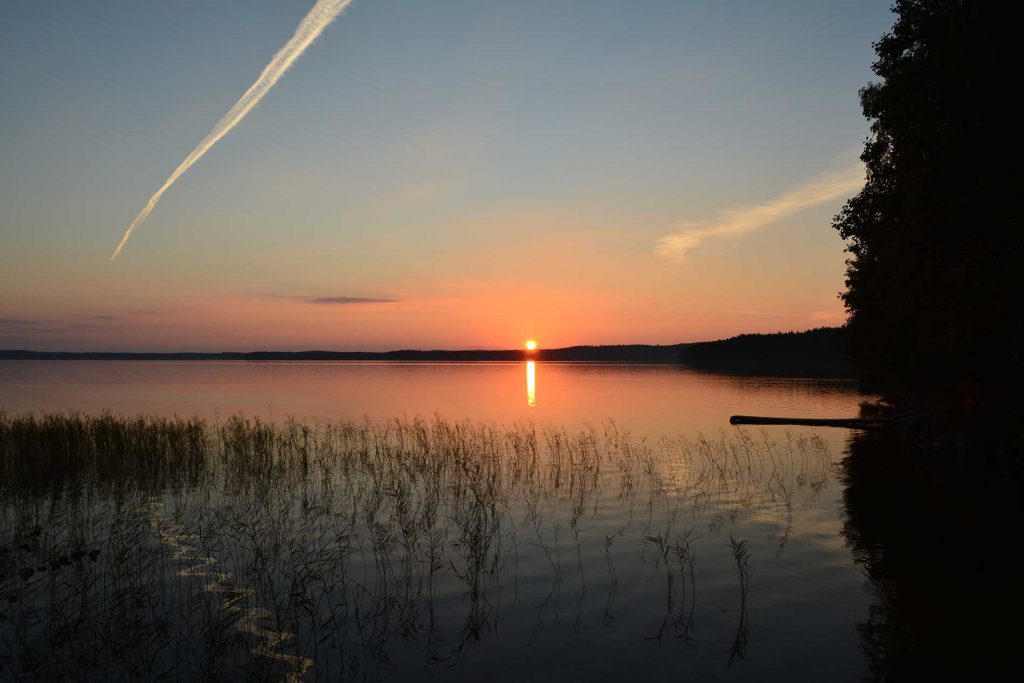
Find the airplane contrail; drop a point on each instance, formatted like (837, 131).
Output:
(309, 29)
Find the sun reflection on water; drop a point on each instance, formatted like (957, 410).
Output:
(531, 383)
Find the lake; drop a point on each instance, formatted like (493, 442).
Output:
(467, 521)
(652, 400)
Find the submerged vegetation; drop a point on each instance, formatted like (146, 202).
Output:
(151, 547)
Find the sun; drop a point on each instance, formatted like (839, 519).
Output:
(531, 345)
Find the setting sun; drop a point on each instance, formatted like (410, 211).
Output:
(531, 345)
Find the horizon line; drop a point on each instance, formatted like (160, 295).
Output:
(519, 350)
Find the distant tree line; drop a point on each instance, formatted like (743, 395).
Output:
(935, 237)
(815, 353)
(618, 353)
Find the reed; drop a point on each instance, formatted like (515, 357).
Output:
(147, 547)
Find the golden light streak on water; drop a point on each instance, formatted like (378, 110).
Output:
(531, 383)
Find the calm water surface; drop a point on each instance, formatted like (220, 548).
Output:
(651, 400)
(631, 610)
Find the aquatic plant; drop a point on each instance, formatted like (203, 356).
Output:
(149, 547)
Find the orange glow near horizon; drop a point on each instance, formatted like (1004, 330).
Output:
(154, 320)
(531, 345)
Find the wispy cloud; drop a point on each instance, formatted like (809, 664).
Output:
(309, 29)
(17, 322)
(343, 300)
(75, 323)
(34, 326)
(740, 220)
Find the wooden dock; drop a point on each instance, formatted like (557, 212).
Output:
(847, 423)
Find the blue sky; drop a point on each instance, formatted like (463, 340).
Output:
(501, 169)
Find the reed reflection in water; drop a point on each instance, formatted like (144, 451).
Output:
(152, 547)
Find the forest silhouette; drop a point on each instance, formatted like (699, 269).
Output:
(932, 282)
(934, 327)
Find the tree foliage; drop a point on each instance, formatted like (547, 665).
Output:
(935, 240)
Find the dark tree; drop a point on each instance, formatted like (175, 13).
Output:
(932, 285)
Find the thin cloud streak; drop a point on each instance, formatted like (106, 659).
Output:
(738, 221)
(30, 326)
(343, 300)
(309, 29)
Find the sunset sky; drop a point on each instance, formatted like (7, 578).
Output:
(428, 175)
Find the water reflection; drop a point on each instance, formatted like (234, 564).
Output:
(402, 550)
(654, 401)
(932, 538)
(531, 383)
